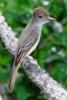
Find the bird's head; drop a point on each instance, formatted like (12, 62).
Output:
(40, 15)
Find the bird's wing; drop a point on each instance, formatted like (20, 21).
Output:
(24, 45)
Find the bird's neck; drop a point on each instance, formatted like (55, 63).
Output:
(37, 26)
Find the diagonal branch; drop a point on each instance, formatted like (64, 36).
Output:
(37, 75)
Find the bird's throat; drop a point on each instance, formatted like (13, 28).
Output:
(37, 27)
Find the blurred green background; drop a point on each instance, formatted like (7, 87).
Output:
(51, 52)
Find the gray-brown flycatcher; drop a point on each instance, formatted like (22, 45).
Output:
(29, 40)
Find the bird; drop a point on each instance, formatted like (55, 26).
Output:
(29, 40)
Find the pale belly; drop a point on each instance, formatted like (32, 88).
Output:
(33, 47)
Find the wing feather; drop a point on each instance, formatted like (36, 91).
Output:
(24, 46)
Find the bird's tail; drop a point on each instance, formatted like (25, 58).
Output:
(13, 78)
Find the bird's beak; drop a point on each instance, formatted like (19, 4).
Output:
(51, 19)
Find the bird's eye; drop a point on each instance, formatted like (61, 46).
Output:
(40, 16)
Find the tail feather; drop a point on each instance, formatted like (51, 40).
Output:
(13, 78)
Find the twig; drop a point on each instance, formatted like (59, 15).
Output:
(37, 75)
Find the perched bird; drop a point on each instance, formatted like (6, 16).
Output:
(29, 40)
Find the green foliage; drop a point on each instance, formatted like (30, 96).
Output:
(51, 53)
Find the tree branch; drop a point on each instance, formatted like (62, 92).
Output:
(37, 75)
